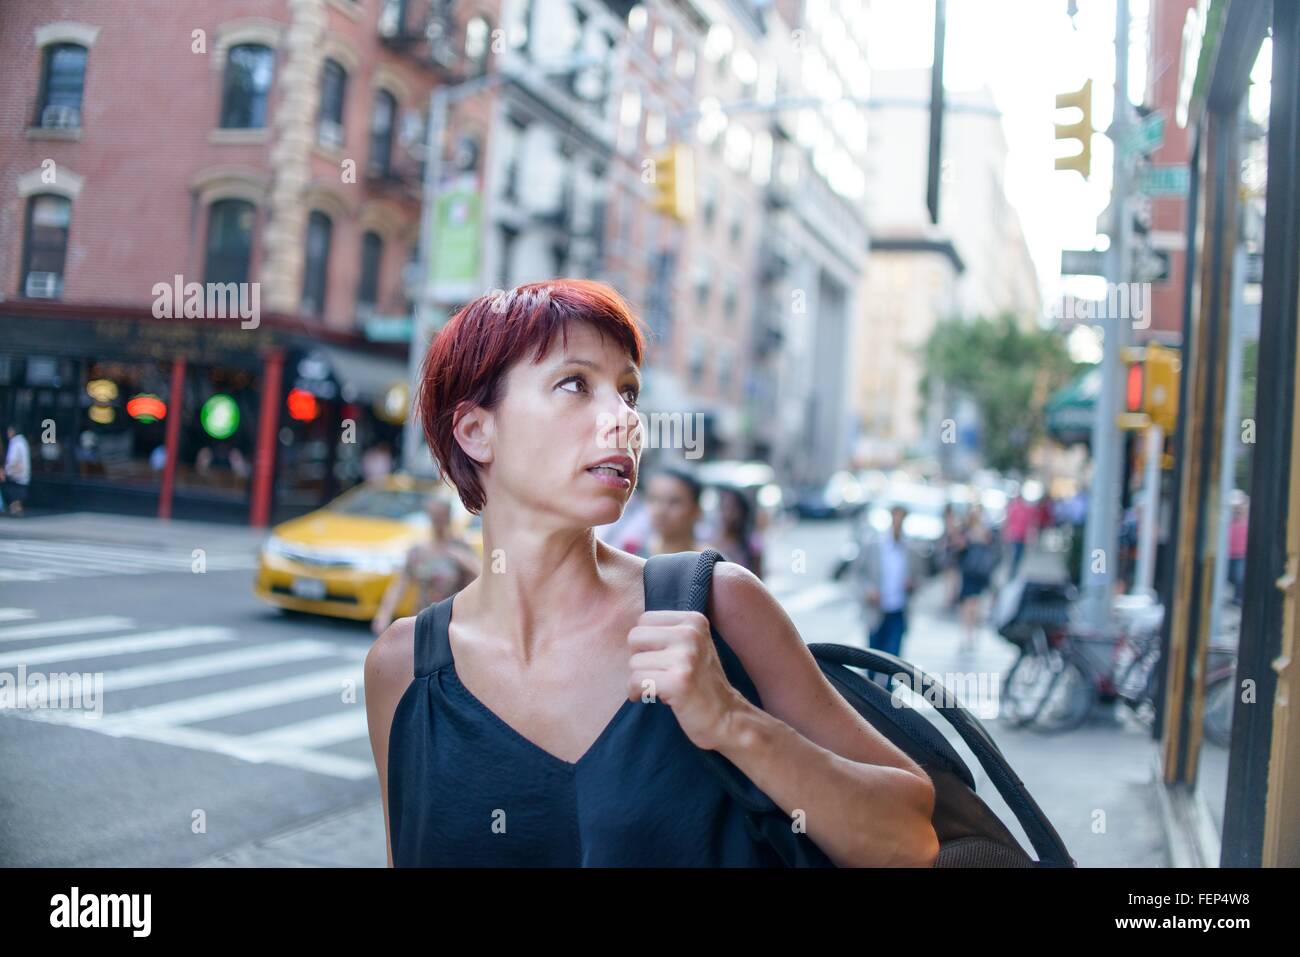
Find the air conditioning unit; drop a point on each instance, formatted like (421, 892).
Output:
(43, 285)
(330, 133)
(56, 116)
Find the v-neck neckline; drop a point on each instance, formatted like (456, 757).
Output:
(510, 729)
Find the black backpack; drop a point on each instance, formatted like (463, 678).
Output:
(970, 834)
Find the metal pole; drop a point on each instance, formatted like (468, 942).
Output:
(415, 455)
(1231, 437)
(1102, 534)
(1144, 580)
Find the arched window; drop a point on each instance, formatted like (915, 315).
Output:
(45, 245)
(333, 90)
(319, 228)
(229, 248)
(63, 79)
(372, 254)
(247, 85)
(382, 118)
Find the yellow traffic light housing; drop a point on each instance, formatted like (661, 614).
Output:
(1160, 388)
(674, 182)
(1081, 130)
(1151, 386)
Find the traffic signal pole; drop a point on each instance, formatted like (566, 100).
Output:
(1101, 538)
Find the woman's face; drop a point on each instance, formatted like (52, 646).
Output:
(673, 512)
(556, 419)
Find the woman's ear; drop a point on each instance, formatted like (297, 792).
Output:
(474, 431)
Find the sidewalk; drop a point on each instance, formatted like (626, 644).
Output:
(1095, 784)
(133, 530)
(353, 837)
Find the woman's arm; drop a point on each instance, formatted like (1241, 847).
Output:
(865, 803)
(389, 665)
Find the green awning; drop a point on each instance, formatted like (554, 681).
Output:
(1070, 409)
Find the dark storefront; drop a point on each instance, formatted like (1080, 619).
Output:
(265, 423)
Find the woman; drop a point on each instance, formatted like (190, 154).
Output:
(977, 558)
(540, 716)
(673, 501)
(437, 568)
(736, 537)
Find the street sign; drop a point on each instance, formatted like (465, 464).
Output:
(1164, 180)
(1144, 138)
(387, 328)
(1151, 265)
(1083, 262)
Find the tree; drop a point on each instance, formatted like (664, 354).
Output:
(1007, 370)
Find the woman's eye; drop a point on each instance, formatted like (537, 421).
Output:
(633, 396)
(577, 379)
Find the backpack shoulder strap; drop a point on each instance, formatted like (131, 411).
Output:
(679, 581)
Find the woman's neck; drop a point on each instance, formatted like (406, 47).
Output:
(537, 584)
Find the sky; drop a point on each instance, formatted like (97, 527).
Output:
(1027, 51)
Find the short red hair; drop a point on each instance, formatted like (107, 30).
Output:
(470, 356)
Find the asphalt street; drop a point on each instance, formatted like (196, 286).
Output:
(234, 734)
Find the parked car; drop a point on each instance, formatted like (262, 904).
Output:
(842, 496)
(339, 560)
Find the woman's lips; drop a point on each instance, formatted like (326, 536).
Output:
(610, 478)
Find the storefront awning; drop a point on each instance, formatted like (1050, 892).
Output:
(361, 377)
(1070, 410)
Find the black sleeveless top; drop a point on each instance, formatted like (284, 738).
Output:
(467, 790)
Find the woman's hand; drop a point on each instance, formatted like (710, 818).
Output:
(674, 662)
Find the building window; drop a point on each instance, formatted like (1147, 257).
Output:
(656, 129)
(230, 241)
(45, 245)
(247, 86)
(477, 33)
(333, 89)
(663, 41)
(319, 228)
(685, 63)
(381, 132)
(372, 254)
(697, 363)
(63, 79)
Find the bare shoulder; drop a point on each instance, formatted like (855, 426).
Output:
(747, 614)
(390, 662)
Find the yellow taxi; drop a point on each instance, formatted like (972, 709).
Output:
(339, 560)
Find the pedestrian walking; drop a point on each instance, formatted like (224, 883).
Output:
(737, 538)
(977, 559)
(490, 711)
(17, 473)
(673, 501)
(442, 566)
(890, 572)
(1020, 520)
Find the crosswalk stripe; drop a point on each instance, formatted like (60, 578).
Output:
(205, 666)
(24, 575)
(214, 742)
(222, 704)
(16, 614)
(816, 596)
(109, 647)
(66, 626)
(347, 725)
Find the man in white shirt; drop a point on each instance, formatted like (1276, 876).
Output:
(17, 471)
(890, 575)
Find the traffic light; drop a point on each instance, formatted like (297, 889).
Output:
(1081, 130)
(1160, 390)
(1151, 387)
(674, 182)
